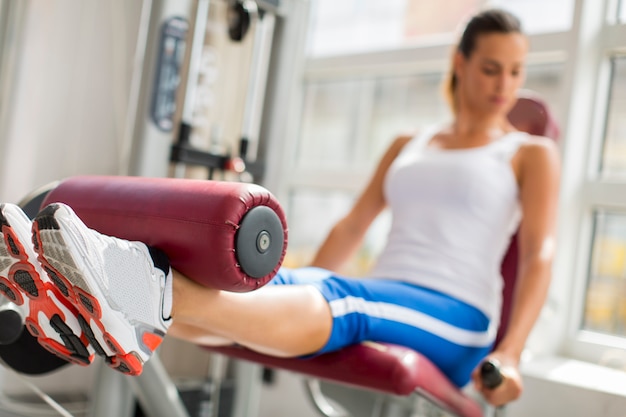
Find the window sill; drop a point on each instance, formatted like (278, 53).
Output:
(577, 374)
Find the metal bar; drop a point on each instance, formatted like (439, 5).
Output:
(111, 396)
(11, 32)
(191, 156)
(156, 392)
(263, 37)
(318, 399)
(195, 58)
(134, 96)
(248, 377)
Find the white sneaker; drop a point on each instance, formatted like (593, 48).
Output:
(48, 317)
(122, 289)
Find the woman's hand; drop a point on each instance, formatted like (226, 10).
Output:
(511, 387)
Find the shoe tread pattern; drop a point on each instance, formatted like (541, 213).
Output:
(22, 283)
(60, 265)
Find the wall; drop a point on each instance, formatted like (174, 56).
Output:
(70, 92)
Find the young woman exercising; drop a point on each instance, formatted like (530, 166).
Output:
(457, 193)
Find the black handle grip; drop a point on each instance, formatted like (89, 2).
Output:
(490, 374)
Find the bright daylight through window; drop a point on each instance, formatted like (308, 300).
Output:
(349, 26)
(605, 308)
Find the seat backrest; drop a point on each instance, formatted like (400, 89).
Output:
(530, 114)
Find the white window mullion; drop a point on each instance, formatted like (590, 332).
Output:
(362, 123)
(395, 61)
(596, 275)
(582, 71)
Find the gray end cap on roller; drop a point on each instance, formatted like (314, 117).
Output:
(259, 242)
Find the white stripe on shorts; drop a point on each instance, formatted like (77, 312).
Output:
(393, 312)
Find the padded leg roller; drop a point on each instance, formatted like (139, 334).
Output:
(226, 235)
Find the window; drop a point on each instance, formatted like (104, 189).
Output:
(354, 105)
(540, 16)
(597, 175)
(322, 208)
(545, 79)
(349, 123)
(328, 124)
(308, 203)
(614, 156)
(603, 315)
(621, 13)
(605, 304)
(402, 105)
(357, 26)
(346, 126)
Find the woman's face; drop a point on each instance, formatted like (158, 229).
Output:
(491, 76)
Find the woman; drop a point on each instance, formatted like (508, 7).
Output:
(456, 193)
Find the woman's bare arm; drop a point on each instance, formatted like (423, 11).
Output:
(346, 236)
(539, 183)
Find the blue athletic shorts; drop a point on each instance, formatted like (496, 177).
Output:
(452, 334)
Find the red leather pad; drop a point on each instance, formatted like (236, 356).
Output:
(376, 366)
(193, 221)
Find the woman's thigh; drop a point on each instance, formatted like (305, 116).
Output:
(452, 334)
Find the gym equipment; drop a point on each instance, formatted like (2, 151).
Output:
(259, 18)
(229, 235)
(151, 211)
(232, 235)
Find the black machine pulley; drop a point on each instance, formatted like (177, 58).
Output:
(240, 16)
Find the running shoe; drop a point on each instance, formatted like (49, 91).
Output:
(122, 289)
(47, 315)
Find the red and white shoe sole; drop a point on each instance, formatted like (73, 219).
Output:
(22, 283)
(98, 320)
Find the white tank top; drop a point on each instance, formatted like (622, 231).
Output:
(453, 214)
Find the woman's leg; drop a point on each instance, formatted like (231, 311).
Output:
(196, 335)
(279, 320)
(128, 298)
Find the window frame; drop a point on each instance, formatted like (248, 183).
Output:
(417, 59)
(595, 39)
